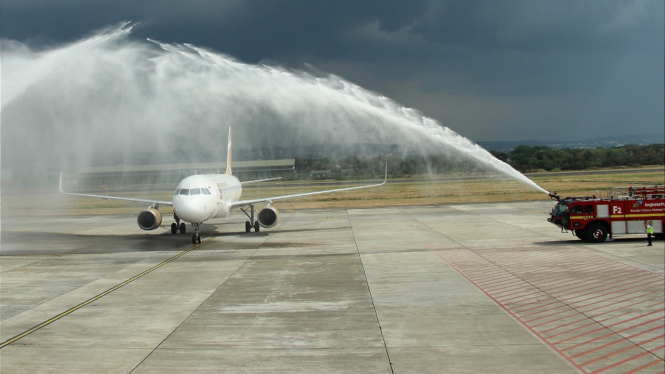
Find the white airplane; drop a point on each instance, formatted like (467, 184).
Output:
(198, 198)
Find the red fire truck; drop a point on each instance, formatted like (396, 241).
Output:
(625, 211)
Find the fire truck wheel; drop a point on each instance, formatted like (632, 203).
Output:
(596, 233)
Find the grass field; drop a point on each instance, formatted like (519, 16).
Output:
(418, 190)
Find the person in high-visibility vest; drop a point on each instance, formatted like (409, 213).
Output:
(649, 229)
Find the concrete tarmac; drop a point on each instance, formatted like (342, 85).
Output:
(467, 288)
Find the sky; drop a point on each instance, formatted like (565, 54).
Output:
(490, 70)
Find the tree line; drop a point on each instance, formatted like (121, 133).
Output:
(526, 158)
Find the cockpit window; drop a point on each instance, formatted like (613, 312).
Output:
(192, 191)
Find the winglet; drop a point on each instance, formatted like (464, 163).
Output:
(228, 155)
(385, 177)
(61, 190)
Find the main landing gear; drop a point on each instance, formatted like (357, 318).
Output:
(249, 224)
(196, 238)
(177, 225)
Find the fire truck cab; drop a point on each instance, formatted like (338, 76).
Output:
(626, 210)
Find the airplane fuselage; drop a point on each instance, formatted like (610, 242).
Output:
(198, 198)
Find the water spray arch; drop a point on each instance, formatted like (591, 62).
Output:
(110, 93)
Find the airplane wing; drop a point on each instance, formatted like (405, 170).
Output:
(151, 202)
(268, 200)
(261, 180)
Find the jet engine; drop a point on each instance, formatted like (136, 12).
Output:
(268, 217)
(149, 219)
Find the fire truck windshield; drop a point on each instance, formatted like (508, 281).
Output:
(560, 209)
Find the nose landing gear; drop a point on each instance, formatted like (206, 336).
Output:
(196, 238)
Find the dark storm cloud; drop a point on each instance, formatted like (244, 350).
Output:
(250, 30)
(544, 26)
(512, 69)
(256, 29)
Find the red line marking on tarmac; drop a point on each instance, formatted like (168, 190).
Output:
(551, 279)
(553, 314)
(506, 309)
(520, 259)
(607, 328)
(604, 320)
(511, 283)
(614, 324)
(531, 291)
(512, 287)
(589, 298)
(623, 294)
(609, 355)
(620, 362)
(566, 278)
(571, 330)
(616, 342)
(652, 363)
(546, 310)
(609, 293)
(604, 306)
(515, 289)
(503, 272)
(610, 334)
(539, 306)
(592, 258)
(626, 306)
(566, 324)
(535, 302)
(597, 281)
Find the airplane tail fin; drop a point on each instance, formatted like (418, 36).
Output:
(228, 155)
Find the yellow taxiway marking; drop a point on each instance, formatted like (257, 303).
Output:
(95, 298)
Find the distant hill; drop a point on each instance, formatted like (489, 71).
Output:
(602, 142)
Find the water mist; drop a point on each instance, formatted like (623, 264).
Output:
(110, 94)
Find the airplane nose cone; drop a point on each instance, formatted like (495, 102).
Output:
(190, 210)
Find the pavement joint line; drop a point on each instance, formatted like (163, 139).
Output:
(561, 351)
(569, 360)
(505, 308)
(158, 346)
(319, 221)
(369, 290)
(99, 296)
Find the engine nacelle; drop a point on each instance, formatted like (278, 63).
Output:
(268, 217)
(149, 219)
